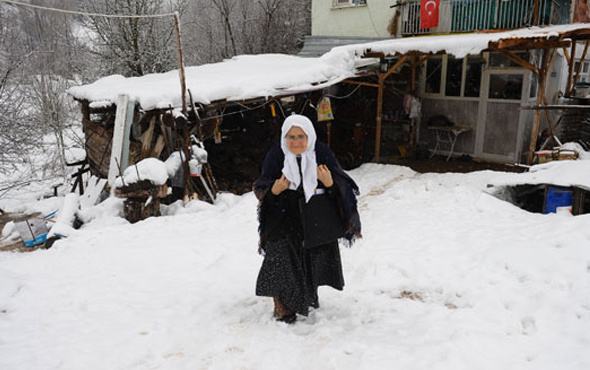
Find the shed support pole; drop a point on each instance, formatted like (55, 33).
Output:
(378, 122)
(382, 78)
(540, 100)
(570, 75)
(120, 143)
(180, 63)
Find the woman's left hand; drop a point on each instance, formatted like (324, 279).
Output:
(325, 176)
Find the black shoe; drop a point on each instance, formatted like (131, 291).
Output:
(289, 319)
(315, 303)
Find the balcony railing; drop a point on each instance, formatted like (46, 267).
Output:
(473, 15)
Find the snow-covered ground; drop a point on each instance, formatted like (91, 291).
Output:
(446, 277)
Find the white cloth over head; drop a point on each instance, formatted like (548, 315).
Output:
(308, 159)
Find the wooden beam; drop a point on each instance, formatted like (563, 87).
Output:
(353, 82)
(567, 55)
(372, 54)
(378, 122)
(422, 60)
(413, 75)
(394, 67)
(540, 99)
(552, 57)
(516, 59)
(572, 60)
(548, 117)
(556, 107)
(526, 44)
(382, 78)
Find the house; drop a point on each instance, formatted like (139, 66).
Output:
(482, 89)
(479, 83)
(235, 108)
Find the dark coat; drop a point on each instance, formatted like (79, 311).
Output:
(290, 272)
(344, 186)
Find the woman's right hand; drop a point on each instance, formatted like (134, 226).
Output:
(280, 185)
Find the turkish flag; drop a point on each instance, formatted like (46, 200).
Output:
(429, 13)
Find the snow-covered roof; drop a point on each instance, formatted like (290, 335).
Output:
(253, 76)
(458, 45)
(242, 77)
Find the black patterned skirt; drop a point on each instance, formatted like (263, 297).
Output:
(293, 274)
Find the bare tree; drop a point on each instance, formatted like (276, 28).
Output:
(224, 28)
(35, 48)
(133, 46)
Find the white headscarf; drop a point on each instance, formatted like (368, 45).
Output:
(308, 160)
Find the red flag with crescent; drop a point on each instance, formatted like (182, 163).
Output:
(429, 13)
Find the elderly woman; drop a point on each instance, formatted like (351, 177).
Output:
(292, 174)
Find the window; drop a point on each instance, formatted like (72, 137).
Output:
(462, 76)
(433, 76)
(341, 3)
(454, 77)
(505, 86)
(472, 77)
(584, 71)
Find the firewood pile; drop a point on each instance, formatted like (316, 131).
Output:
(142, 199)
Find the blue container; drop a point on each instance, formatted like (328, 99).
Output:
(556, 196)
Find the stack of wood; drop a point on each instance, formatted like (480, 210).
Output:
(142, 199)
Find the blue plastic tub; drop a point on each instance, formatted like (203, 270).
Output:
(556, 196)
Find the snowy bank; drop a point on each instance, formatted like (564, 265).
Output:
(447, 277)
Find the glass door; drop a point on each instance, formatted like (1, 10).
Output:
(499, 121)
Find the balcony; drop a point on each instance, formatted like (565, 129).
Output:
(474, 15)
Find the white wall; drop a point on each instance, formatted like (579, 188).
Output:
(369, 20)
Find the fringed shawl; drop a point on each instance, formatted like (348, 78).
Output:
(345, 185)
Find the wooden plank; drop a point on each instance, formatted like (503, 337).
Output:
(158, 147)
(382, 78)
(567, 54)
(556, 107)
(570, 75)
(372, 54)
(146, 139)
(353, 82)
(378, 123)
(394, 67)
(540, 96)
(526, 44)
(516, 59)
(119, 138)
(422, 60)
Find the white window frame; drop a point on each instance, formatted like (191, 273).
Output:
(441, 94)
(348, 3)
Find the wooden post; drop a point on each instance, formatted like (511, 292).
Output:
(540, 98)
(413, 75)
(120, 143)
(378, 122)
(570, 75)
(180, 63)
(536, 13)
(382, 78)
(412, 137)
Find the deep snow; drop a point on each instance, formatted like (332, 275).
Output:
(446, 277)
